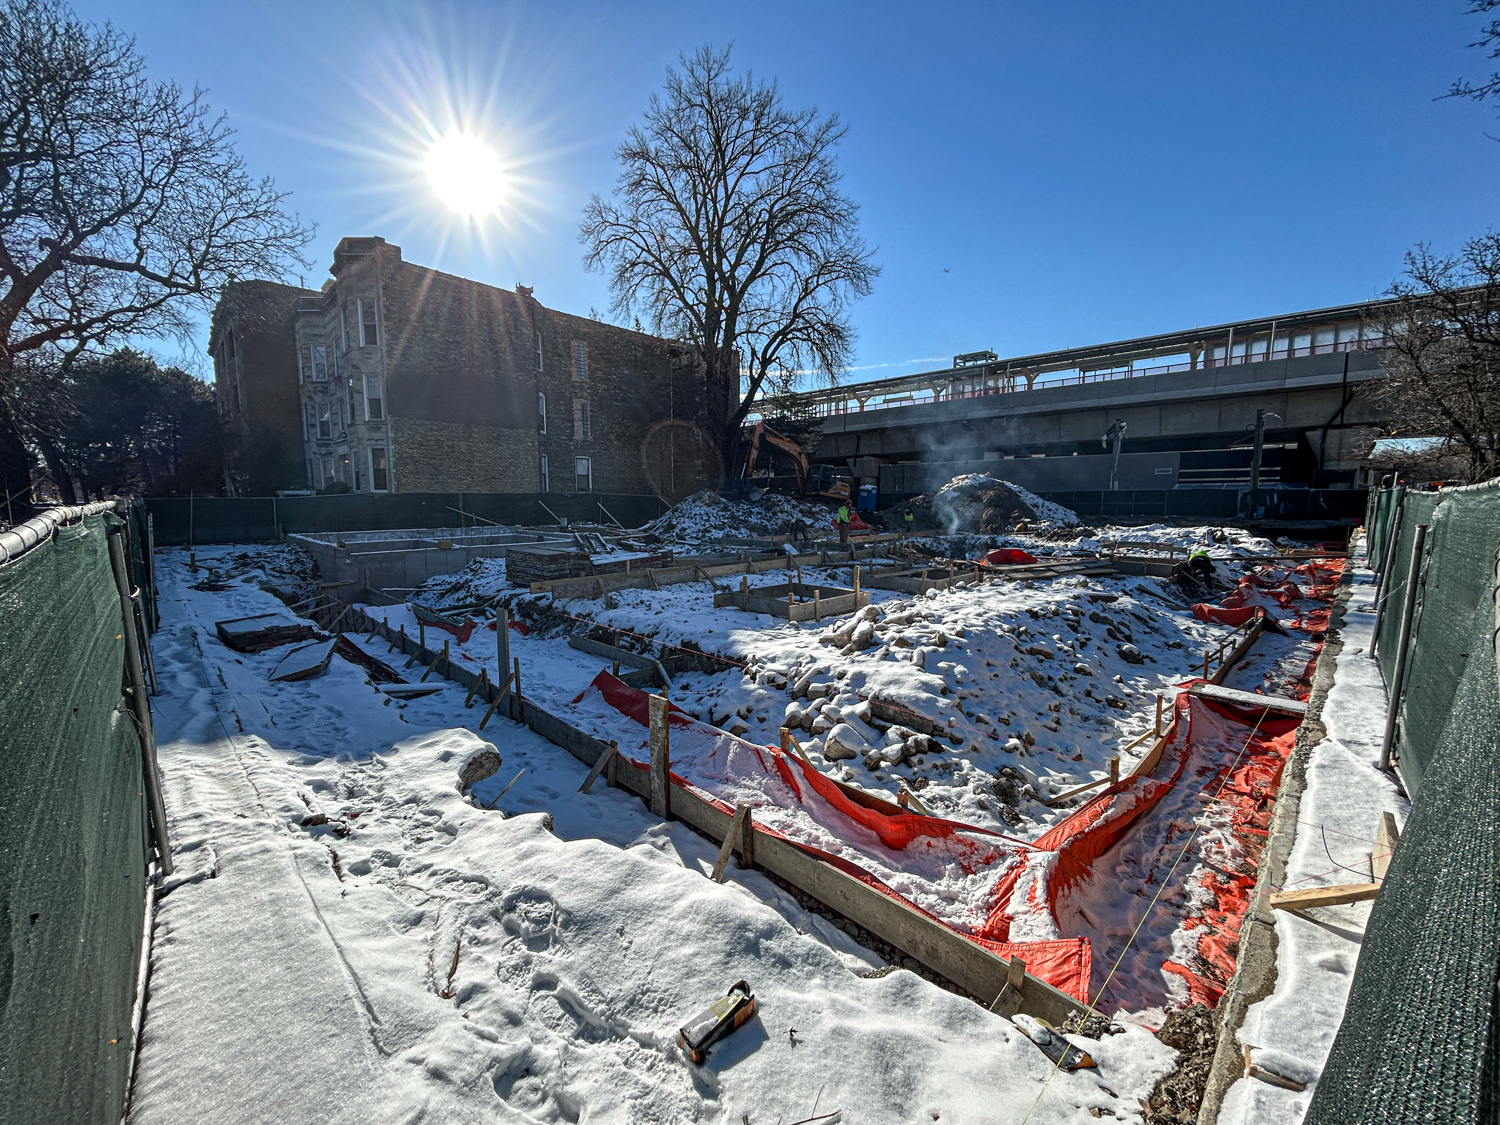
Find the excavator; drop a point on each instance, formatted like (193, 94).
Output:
(813, 481)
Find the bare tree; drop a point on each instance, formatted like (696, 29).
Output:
(1444, 363)
(123, 203)
(728, 229)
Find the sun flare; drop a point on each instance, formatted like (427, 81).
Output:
(466, 174)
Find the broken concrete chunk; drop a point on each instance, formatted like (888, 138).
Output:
(1130, 654)
(482, 763)
(848, 739)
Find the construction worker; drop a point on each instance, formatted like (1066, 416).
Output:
(1200, 566)
(911, 521)
(841, 517)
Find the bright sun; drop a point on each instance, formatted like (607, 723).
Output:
(466, 174)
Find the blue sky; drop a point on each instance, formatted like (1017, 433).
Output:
(1035, 176)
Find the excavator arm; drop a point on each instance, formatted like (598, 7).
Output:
(781, 442)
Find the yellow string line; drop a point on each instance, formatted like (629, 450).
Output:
(1147, 914)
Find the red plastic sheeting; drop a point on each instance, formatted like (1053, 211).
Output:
(519, 626)
(1007, 556)
(1063, 963)
(460, 632)
(1224, 615)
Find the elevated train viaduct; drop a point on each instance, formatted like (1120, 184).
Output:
(1188, 401)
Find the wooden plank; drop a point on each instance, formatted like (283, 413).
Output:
(661, 758)
(1252, 634)
(736, 829)
(1387, 836)
(610, 652)
(1249, 699)
(1324, 896)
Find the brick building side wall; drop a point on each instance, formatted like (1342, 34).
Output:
(455, 457)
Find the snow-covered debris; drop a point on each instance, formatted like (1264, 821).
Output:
(978, 503)
(706, 516)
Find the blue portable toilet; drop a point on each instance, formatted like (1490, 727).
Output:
(867, 496)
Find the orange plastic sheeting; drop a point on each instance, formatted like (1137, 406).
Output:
(1064, 963)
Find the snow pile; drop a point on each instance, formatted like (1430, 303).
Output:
(982, 504)
(706, 515)
(1220, 542)
(481, 580)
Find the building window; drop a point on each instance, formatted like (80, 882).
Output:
(377, 470)
(367, 324)
(580, 360)
(349, 399)
(374, 407)
(304, 371)
(539, 349)
(325, 420)
(309, 422)
(545, 487)
(319, 363)
(581, 431)
(541, 409)
(328, 472)
(583, 469)
(345, 332)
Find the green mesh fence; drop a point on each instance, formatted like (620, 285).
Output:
(1395, 586)
(73, 835)
(1419, 1040)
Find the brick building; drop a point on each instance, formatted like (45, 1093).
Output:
(254, 352)
(413, 380)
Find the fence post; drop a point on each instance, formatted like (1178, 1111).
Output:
(1382, 591)
(502, 650)
(141, 705)
(1403, 642)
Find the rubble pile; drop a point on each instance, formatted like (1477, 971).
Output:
(706, 516)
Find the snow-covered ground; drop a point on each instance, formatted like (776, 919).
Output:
(1291, 1031)
(348, 937)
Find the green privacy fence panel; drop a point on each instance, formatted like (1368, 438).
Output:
(1395, 586)
(1419, 1041)
(257, 519)
(1419, 1038)
(73, 838)
(1456, 582)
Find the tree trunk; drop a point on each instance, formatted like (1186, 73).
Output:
(66, 491)
(15, 472)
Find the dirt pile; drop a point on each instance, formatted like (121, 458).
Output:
(979, 505)
(1178, 1095)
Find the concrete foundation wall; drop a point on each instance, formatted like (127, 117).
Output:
(388, 561)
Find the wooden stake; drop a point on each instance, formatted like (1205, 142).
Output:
(789, 738)
(520, 699)
(494, 703)
(1205, 665)
(482, 682)
(603, 761)
(389, 635)
(856, 587)
(1386, 838)
(440, 656)
(744, 593)
(661, 757)
(1158, 714)
(413, 658)
(1114, 770)
(736, 828)
(615, 671)
(817, 605)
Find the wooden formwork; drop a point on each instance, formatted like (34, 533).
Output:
(969, 965)
(918, 580)
(795, 601)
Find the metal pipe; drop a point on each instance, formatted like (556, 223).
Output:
(1382, 591)
(1408, 608)
(155, 806)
